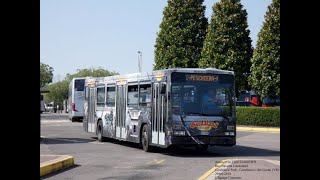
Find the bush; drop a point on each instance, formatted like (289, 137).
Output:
(258, 116)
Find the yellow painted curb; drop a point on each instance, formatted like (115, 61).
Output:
(258, 129)
(63, 162)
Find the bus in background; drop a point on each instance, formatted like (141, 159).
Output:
(250, 98)
(42, 105)
(76, 99)
(183, 107)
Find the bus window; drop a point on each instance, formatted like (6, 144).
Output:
(79, 84)
(145, 95)
(101, 96)
(111, 96)
(133, 95)
(176, 90)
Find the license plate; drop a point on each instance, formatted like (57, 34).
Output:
(204, 133)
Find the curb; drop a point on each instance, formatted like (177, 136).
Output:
(258, 129)
(51, 166)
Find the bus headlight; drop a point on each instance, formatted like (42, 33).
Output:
(226, 133)
(177, 126)
(179, 133)
(231, 133)
(230, 128)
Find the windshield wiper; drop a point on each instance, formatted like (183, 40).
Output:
(188, 113)
(224, 116)
(204, 114)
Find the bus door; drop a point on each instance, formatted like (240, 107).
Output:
(158, 114)
(91, 116)
(120, 111)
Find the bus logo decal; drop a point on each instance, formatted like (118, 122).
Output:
(204, 125)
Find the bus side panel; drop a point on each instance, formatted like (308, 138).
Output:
(132, 123)
(78, 101)
(108, 121)
(145, 118)
(70, 100)
(85, 111)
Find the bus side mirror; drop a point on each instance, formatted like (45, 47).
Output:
(163, 89)
(41, 97)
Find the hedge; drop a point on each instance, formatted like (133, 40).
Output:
(258, 116)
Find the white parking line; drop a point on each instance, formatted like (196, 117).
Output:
(96, 142)
(54, 121)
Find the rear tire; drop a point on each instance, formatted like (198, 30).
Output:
(100, 132)
(145, 139)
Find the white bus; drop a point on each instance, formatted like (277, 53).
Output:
(171, 107)
(76, 99)
(42, 105)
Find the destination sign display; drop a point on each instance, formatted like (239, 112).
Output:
(196, 77)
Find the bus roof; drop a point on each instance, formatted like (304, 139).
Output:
(197, 70)
(144, 76)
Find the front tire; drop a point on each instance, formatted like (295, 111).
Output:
(145, 139)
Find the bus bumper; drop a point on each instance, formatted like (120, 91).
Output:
(208, 140)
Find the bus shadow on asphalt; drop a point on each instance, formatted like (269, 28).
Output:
(220, 151)
(65, 140)
(213, 151)
(59, 172)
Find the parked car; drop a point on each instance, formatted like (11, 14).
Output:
(51, 107)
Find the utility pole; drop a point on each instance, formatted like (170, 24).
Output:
(140, 61)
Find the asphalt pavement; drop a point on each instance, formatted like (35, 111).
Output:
(124, 160)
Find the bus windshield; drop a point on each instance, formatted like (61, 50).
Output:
(202, 94)
(79, 84)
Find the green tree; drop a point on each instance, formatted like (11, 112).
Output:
(265, 69)
(228, 45)
(182, 31)
(46, 74)
(94, 72)
(59, 90)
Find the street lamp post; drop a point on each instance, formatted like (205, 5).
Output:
(140, 61)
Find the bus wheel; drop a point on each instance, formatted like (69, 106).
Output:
(99, 132)
(145, 139)
(202, 147)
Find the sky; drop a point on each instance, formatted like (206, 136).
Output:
(78, 34)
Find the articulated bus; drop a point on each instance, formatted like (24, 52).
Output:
(183, 106)
(76, 99)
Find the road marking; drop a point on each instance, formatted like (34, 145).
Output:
(160, 161)
(122, 167)
(155, 161)
(54, 121)
(276, 162)
(212, 170)
(96, 142)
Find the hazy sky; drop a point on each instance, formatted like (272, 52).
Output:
(77, 34)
